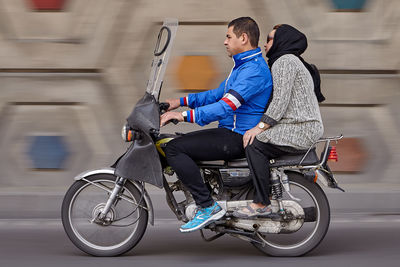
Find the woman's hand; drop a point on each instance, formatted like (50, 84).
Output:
(249, 136)
(167, 116)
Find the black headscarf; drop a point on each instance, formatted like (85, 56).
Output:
(288, 40)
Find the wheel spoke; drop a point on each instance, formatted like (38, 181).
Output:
(89, 199)
(313, 227)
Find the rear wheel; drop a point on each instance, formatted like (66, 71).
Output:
(312, 232)
(123, 226)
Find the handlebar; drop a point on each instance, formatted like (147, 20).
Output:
(164, 106)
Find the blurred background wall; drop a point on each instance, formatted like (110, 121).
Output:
(71, 71)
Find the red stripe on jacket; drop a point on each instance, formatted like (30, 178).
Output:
(230, 103)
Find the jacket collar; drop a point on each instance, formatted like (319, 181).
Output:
(243, 57)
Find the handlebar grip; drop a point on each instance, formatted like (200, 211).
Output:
(164, 106)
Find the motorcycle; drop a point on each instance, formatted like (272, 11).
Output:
(106, 211)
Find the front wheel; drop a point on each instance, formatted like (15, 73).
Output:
(315, 226)
(123, 226)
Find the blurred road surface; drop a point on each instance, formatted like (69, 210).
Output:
(353, 240)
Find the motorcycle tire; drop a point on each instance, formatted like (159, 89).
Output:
(84, 199)
(322, 220)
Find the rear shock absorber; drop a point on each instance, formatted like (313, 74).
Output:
(277, 189)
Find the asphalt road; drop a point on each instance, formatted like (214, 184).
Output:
(351, 241)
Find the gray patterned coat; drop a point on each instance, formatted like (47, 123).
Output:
(293, 114)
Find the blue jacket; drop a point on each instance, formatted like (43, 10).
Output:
(240, 100)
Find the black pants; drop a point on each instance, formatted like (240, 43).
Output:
(258, 155)
(210, 144)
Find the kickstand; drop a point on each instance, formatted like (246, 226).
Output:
(211, 238)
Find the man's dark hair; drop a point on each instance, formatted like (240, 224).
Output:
(246, 25)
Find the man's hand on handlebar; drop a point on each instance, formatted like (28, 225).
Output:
(169, 116)
(173, 104)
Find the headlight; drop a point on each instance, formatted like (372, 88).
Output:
(126, 133)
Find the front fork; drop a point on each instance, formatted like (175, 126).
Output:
(113, 197)
(171, 201)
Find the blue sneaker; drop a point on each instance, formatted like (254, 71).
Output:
(203, 217)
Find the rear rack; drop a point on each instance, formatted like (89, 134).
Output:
(327, 141)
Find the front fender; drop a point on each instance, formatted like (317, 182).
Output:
(146, 196)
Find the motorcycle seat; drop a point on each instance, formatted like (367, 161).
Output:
(286, 160)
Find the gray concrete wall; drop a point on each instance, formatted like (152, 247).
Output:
(77, 74)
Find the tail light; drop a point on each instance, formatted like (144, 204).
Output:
(333, 154)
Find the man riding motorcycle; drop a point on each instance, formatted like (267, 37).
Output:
(238, 104)
(114, 204)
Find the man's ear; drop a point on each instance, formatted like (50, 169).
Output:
(245, 38)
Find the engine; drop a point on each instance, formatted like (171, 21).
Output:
(227, 184)
(235, 177)
(263, 225)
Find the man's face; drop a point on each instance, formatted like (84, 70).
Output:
(232, 43)
(269, 41)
